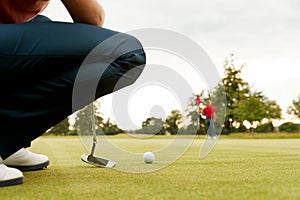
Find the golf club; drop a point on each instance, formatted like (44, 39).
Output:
(90, 158)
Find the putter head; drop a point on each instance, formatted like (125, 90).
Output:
(97, 161)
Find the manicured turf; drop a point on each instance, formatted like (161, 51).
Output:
(235, 169)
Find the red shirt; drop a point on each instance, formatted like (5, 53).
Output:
(209, 112)
(19, 11)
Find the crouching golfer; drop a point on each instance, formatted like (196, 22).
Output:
(39, 62)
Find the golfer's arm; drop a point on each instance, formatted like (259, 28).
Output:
(85, 11)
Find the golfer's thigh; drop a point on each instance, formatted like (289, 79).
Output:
(51, 38)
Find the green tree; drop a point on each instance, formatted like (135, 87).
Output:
(231, 90)
(255, 108)
(273, 110)
(289, 127)
(234, 101)
(153, 126)
(84, 122)
(61, 128)
(109, 128)
(250, 109)
(172, 122)
(83, 119)
(295, 107)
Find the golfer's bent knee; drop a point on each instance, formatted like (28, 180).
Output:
(130, 53)
(129, 60)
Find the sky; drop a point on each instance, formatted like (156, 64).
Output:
(263, 35)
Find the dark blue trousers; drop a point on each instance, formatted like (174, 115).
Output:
(39, 64)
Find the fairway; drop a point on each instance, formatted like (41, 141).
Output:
(235, 169)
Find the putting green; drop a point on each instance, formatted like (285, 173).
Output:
(235, 169)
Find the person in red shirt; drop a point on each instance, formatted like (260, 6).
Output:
(44, 78)
(209, 112)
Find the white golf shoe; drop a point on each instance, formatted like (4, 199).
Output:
(10, 176)
(25, 160)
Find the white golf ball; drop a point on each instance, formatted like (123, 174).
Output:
(148, 157)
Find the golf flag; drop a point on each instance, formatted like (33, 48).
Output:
(198, 100)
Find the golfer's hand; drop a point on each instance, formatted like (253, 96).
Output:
(85, 11)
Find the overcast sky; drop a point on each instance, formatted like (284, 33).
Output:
(263, 34)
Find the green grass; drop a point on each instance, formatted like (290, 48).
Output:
(262, 136)
(235, 169)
